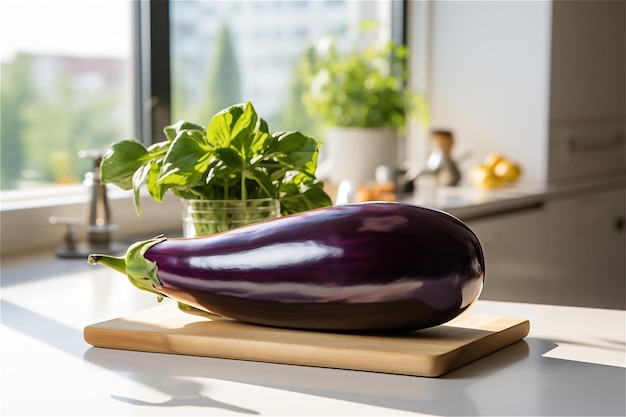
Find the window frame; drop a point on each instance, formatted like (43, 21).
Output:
(154, 69)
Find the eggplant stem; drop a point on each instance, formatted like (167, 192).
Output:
(141, 271)
(113, 262)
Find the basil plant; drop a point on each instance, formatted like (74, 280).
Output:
(234, 158)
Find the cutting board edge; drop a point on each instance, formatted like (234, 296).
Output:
(317, 360)
(459, 357)
(316, 356)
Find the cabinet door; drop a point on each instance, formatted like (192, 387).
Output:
(587, 250)
(587, 85)
(515, 254)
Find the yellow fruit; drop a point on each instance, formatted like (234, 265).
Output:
(507, 170)
(492, 159)
(484, 177)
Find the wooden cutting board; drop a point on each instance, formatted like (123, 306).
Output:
(430, 352)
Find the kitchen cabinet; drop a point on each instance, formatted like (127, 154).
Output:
(570, 250)
(586, 249)
(587, 134)
(515, 253)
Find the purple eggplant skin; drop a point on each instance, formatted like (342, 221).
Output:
(374, 266)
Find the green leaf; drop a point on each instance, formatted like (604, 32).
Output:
(193, 193)
(223, 176)
(243, 128)
(186, 160)
(264, 182)
(156, 189)
(220, 130)
(258, 144)
(121, 161)
(173, 130)
(138, 178)
(262, 126)
(230, 157)
(311, 198)
(297, 151)
(158, 150)
(300, 192)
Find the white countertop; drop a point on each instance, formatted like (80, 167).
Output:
(572, 363)
(468, 202)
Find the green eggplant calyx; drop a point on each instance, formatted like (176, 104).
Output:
(141, 272)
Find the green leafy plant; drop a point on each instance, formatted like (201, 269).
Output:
(234, 158)
(366, 87)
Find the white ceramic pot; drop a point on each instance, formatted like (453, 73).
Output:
(352, 154)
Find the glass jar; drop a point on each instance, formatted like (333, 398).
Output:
(206, 217)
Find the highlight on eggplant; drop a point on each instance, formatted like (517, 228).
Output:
(355, 267)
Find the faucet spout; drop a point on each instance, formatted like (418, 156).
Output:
(99, 217)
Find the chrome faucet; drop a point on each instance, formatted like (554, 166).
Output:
(99, 226)
(99, 218)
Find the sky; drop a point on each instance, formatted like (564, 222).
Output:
(95, 28)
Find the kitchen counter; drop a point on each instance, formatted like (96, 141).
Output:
(469, 203)
(571, 363)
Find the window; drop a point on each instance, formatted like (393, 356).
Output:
(66, 87)
(225, 52)
(74, 83)
(75, 89)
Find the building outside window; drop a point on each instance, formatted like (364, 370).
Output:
(231, 51)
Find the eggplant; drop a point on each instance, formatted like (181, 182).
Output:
(373, 266)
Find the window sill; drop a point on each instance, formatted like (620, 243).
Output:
(26, 227)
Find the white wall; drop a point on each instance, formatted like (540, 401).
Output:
(488, 78)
